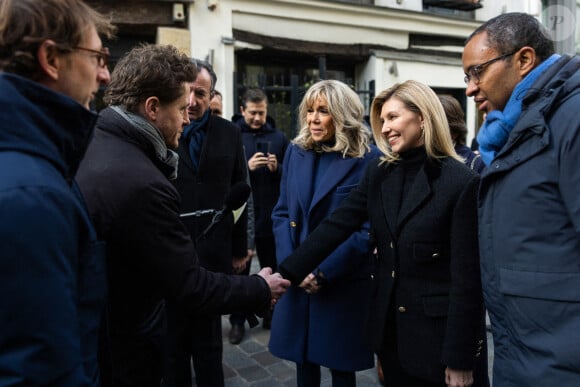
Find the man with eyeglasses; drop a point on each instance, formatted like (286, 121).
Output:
(529, 214)
(51, 265)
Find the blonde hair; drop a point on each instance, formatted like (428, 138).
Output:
(422, 100)
(347, 112)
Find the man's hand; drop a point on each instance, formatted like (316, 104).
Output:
(458, 378)
(277, 284)
(258, 160)
(272, 162)
(240, 263)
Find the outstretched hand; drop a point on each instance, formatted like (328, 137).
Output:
(277, 284)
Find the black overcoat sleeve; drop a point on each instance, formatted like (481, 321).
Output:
(346, 219)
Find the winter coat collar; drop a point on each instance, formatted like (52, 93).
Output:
(531, 134)
(39, 121)
(112, 122)
(245, 128)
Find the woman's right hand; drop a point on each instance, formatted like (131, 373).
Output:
(310, 284)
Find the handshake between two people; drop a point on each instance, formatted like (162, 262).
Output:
(277, 284)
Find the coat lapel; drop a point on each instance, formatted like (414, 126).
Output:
(390, 194)
(303, 170)
(420, 191)
(184, 158)
(334, 174)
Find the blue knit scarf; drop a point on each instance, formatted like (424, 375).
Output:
(194, 134)
(496, 129)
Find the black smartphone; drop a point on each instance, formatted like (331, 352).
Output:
(263, 146)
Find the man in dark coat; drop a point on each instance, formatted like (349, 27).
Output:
(212, 162)
(150, 255)
(529, 210)
(51, 264)
(265, 147)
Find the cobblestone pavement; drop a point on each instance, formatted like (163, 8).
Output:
(251, 364)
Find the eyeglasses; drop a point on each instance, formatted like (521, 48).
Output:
(102, 56)
(474, 72)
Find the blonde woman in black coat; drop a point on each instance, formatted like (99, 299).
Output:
(426, 318)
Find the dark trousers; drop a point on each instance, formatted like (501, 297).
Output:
(200, 341)
(266, 251)
(308, 375)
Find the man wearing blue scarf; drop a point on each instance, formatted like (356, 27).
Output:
(211, 162)
(529, 211)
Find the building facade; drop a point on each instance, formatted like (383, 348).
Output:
(285, 45)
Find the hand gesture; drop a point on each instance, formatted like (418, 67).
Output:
(310, 284)
(272, 162)
(258, 160)
(458, 378)
(240, 263)
(277, 284)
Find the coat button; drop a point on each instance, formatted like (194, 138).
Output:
(292, 224)
(402, 309)
(435, 255)
(393, 274)
(391, 244)
(372, 276)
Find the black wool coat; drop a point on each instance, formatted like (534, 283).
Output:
(222, 164)
(427, 267)
(150, 255)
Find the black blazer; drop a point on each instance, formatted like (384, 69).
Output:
(427, 266)
(222, 164)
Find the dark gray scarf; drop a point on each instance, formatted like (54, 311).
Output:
(163, 154)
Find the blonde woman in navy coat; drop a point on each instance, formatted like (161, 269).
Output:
(323, 164)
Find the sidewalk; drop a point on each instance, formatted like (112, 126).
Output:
(251, 364)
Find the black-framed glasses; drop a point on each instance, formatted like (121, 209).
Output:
(474, 72)
(102, 56)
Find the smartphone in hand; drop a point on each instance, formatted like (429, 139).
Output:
(263, 146)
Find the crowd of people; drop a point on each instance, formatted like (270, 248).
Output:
(126, 234)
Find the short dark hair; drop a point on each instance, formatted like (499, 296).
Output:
(149, 70)
(254, 95)
(202, 64)
(26, 24)
(511, 31)
(455, 118)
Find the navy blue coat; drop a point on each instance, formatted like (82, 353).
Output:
(313, 327)
(52, 269)
(265, 184)
(530, 237)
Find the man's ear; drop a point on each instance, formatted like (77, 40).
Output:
(527, 60)
(49, 59)
(151, 108)
(242, 109)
